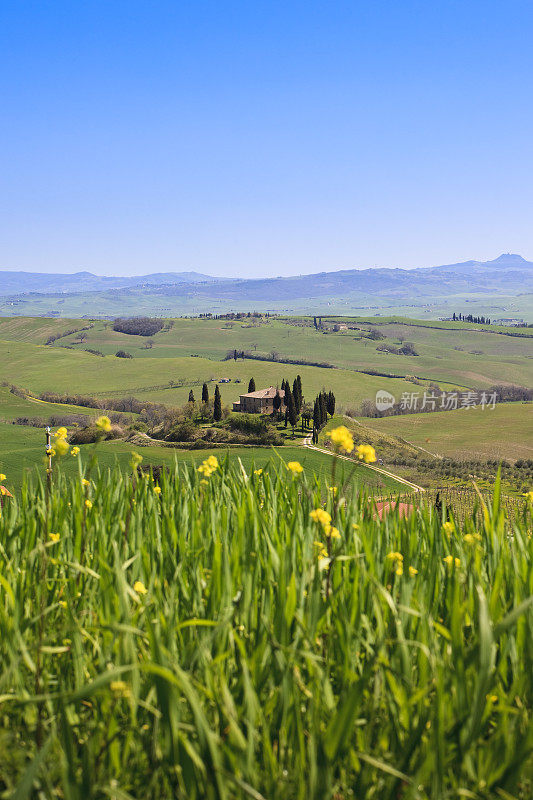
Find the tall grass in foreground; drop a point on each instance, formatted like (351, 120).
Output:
(199, 643)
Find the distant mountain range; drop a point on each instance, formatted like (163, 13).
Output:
(509, 274)
(46, 283)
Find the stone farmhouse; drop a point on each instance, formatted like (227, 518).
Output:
(260, 402)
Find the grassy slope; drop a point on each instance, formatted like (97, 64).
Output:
(452, 353)
(43, 368)
(505, 432)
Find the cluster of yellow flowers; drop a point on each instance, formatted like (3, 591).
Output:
(295, 467)
(140, 588)
(448, 528)
(341, 437)
(529, 496)
(324, 518)
(397, 564)
(104, 423)
(366, 453)
(472, 538)
(451, 561)
(61, 446)
(208, 466)
(2, 476)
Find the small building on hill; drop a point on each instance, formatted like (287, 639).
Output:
(260, 402)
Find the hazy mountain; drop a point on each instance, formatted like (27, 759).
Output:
(509, 273)
(19, 282)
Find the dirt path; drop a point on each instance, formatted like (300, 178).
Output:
(307, 443)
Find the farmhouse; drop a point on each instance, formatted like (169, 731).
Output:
(261, 402)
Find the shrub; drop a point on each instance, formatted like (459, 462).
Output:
(123, 354)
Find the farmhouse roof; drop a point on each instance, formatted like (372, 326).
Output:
(265, 393)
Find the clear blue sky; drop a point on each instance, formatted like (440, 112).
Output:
(264, 138)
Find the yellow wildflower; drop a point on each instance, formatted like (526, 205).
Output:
(212, 461)
(63, 603)
(334, 490)
(413, 572)
(75, 451)
(366, 453)
(54, 537)
(62, 447)
(341, 437)
(320, 515)
(448, 528)
(140, 588)
(157, 489)
(136, 459)
(120, 688)
(399, 569)
(295, 467)
(85, 482)
(394, 556)
(355, 526)
(61, 433)
(104, 423)
(88, 504)
(331, 532)
(451, 561)
(51, 452)
(529, 495)
(258, 471)
(2, 476)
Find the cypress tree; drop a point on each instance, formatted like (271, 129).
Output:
(323, 408)
(316, 414)
(291, 411)
(191, 396)
(251, 386)
(331, 403)
(217, 407)
(205, 393)
(277, 402)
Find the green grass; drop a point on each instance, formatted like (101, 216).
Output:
(501, 433)
(12, 406)
(22, 452)
(243, 664)
(449, 353)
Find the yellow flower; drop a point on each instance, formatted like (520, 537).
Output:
(136, 459)
(399, 569)
(320, 515)
(331, 532)
(51, 452)
(355, 526)
(394, 556)
(212, 461)
(2, 476)
(85, 482)
(75, 451)
(448, 528)
(413, 572)
(451, 561)
(366, 453)
(62, 447)
(341, 437)
(203, 482)
(295, 467)
(104, 423)
(88, 504)
(157, 489)
(258, 471)
(54, 537)
(61, 433)
(63, 603)
(140, 588)
(334, 490)
(120, 688)
(529, 495)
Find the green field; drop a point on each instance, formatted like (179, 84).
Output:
(505, 432)
(22, 452)
(450, 354)
(213, 642)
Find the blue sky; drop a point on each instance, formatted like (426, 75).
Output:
(264, 138)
